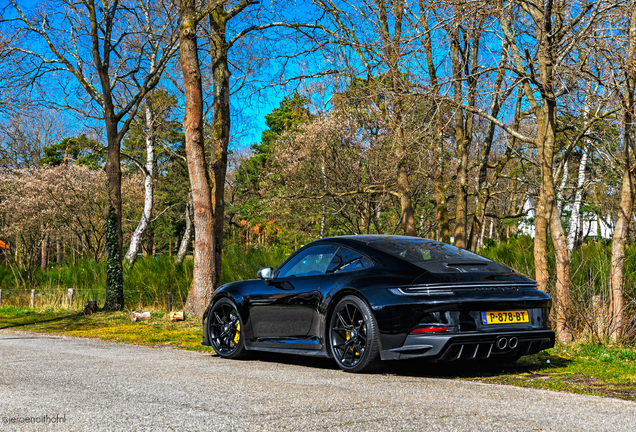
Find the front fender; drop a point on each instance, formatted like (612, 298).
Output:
(237, 292)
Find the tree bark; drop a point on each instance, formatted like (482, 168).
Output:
(575, 219)
(187, 235)
(202, 282)
(619, 241)
(220, 129)
(45, 251)
(621, 231)
(562, 186)
(149, 176)
(59, 249)
(562, 289)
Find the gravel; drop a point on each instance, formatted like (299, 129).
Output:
(89, 385)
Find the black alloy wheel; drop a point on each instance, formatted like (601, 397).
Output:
(225, 330)
(353, 336)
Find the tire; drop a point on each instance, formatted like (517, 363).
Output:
(353, 336)
(225, 330)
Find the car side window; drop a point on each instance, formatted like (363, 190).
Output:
(348, 260)
(310, 262)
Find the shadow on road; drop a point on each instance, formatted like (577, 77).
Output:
(290, 359)
(425, 369)
(452, 370)
(23, 321)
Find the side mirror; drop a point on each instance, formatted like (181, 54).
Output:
(265, 273)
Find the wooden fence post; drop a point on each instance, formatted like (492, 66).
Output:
(70, 298)
(32, 298)
(169, 302)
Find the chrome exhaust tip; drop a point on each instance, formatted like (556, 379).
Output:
(501, 343)
(513, 342)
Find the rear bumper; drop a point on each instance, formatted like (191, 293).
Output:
(473, 346)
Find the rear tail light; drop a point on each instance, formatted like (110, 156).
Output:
(429, 330)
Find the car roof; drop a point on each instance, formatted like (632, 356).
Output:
(370, 238)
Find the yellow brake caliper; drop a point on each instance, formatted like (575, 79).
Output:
(237, 335)
(349, 337)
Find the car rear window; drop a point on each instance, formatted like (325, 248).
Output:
(419, 251)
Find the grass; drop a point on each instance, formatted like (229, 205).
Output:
(146, 284)
(581, 368)
(109, 326)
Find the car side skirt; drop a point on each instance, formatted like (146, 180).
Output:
(310, 353)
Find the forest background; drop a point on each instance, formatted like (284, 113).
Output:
(130, 129)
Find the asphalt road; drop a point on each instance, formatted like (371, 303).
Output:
(87, 385)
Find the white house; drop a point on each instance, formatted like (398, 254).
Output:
(592, 226)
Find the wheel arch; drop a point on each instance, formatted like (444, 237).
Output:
(339, 295)
(219, 294)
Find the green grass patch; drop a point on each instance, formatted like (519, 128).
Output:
(110, 326)
(580, 368)
(146, 284)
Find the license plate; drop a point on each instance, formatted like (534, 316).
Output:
(505, 317)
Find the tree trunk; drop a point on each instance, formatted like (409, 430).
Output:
(562, 186)
(187, 235)
(114, 293)
(621, 232)
(220, 129)
(408, 220)
(150, 244)
(149, 175)
(562, 289)
(203, 277)
(548, 214)
(461, 214)
(575, 219)
(619, 240)
(323, 210)
(59, 249)
(543, 211)
(45, 251)
(441, 208)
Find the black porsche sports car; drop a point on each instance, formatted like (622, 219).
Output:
(362, 299)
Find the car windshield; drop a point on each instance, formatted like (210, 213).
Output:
(419, 251)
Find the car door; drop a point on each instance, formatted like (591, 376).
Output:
(282, 309)
(344, 267)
